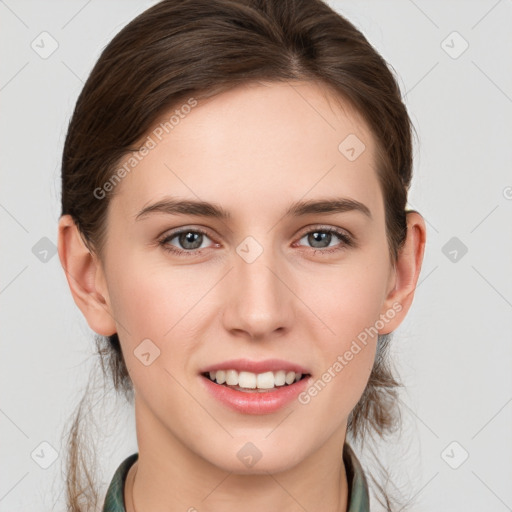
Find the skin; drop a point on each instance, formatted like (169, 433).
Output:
(252, 150)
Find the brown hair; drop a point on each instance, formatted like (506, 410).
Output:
(183, 48)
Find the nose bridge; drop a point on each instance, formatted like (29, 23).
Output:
(260, 301)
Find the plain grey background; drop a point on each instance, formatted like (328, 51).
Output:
(453, 60)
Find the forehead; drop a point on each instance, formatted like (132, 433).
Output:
(277, 140)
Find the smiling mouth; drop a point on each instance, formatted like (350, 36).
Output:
(248, 382)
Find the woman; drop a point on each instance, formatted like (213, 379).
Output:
(234, 224)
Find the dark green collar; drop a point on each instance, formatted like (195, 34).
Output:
(114, 500)
(358, 499)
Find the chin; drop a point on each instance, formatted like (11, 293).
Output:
(257, 458)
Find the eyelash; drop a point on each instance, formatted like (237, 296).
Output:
(346, 241)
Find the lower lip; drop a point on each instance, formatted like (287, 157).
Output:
(255, 402)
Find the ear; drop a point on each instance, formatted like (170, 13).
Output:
(406, 273)
(85, 277)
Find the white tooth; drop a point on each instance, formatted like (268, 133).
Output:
(290, 377)
(247, 380)
(232, 378)
(212, 375)
(280, 378)
(265, 380)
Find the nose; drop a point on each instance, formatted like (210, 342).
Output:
(260, 303)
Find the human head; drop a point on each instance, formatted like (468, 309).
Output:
(227, 45)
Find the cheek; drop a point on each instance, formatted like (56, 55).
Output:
(155, 319)
(151, 303)
(347, 302)
(346, 368)
(349, 308)
(142, 304)
(149, 298)
(168, 306)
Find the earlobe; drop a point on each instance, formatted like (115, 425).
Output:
(84, 274)
(408, 267)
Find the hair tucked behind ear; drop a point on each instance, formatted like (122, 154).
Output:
(179, 49)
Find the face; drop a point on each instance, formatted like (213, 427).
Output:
(190, 291)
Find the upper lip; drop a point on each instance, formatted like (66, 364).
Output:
(267, 365)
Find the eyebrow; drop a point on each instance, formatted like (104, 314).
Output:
(174, 206)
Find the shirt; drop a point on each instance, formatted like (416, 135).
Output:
(358, 498)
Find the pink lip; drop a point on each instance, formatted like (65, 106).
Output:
(254, 402)
(268, 365)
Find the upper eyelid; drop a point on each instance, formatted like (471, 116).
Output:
(178, 231)
(320, 227)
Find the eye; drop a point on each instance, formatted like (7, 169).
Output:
(320, 239)
(190, 239)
